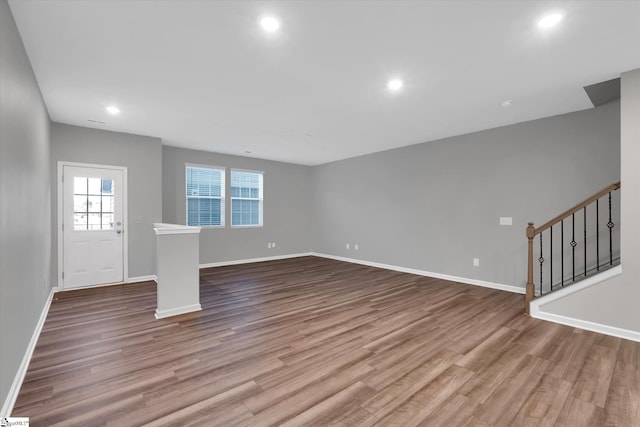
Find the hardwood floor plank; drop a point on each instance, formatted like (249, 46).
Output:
(326, 412)
(313, 341)
(424, 402)
(492, 375)
(297, 378)
(505, 402)
(544, 404)
(592, 384)
(308, 397)
(576, 412)
(448, 413)
(395, 394)
(623, 400)
(212, 407)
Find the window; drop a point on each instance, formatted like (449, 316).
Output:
(205, 196)
(92, 203)
(246, 198)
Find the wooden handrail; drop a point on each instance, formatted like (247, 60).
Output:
(577, 207)
(532, 231)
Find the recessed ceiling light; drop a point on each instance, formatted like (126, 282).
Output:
(395, 85)
(550, 20)
(269, 24)
(112, 109)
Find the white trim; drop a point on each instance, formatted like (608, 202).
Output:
(590, 326)
(201, 166)
(259, 199)
(163, 228)
(161, 314)
(534, 306)
(223, 195)
(500, 286)
(247, 170)
(125, 217)
(149, 278)
(10, 401)
(482, 283)
(137, 279)
(252, 260)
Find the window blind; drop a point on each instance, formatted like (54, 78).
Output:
(205, 196)
(246, 198)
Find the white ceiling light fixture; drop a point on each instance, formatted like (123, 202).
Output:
(507, 103)
(270, 24)
(394, 85)
(112, 109)
(550, 20)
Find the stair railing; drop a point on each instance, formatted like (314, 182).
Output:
(577, 215)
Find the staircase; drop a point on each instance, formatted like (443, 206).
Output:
(578, 243)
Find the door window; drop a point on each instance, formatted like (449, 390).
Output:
(93, 203)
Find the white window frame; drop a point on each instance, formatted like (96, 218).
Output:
(260, 198)
(223, 195)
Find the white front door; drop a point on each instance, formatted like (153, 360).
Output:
(92, 226)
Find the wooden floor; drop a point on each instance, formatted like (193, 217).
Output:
(310, 341)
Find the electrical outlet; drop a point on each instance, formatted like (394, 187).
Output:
(269, 245)
(476, 262)
(355, 246)
(273, 245)
(347, 246)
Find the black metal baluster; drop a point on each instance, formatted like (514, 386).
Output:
(573, 244)
(551, 256)
(541, 260)
(610, 224)
(584, 223)
(562, 253)
(598, 234)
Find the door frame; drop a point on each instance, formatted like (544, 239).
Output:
(125, 219)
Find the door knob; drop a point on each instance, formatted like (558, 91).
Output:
(118, 231)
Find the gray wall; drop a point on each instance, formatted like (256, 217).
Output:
(286, 207)
(142, 156)
(615, 302)
(436, 206)
(25, 202)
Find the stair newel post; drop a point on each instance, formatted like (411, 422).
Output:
(531, 233)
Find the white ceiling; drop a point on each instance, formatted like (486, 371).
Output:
(203, 75)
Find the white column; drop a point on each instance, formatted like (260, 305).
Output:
(177, 266)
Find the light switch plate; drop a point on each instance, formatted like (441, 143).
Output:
(506, 220)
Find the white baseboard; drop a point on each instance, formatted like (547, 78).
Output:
(508, 288)
(149, 278)
(589, 326)
(7, 407)
(252, 260)
(534, 307)
(161, 314)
